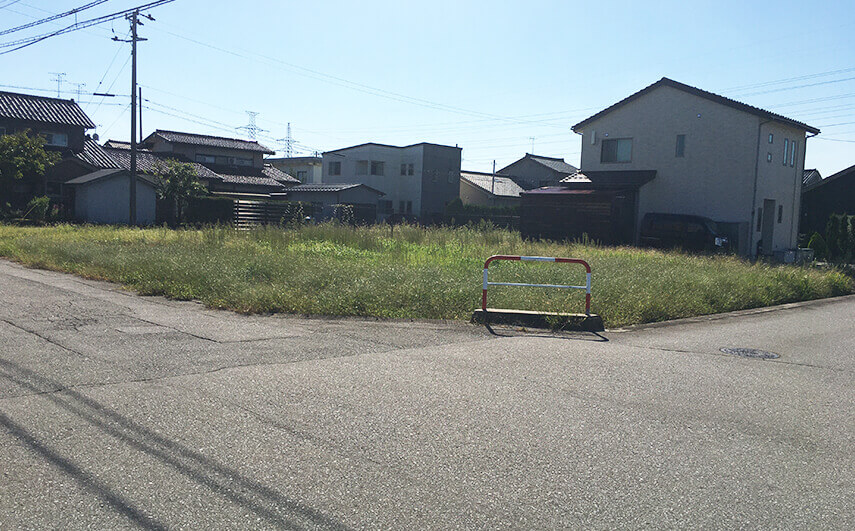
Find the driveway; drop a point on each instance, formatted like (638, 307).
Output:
(125, 411)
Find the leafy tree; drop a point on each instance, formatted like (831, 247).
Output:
(177, 183)
(22, 159)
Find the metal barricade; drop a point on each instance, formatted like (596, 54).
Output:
(586, 287)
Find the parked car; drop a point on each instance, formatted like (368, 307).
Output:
(692, 233)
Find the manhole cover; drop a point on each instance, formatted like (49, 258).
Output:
(751, 353)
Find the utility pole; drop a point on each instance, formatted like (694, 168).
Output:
(493, 187)
(141, 100)
(134, 20)
(532, 144)
(58, 78)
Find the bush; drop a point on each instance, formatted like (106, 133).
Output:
(817, 243)
(37, 208)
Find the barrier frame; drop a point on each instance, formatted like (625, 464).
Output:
(515, 258)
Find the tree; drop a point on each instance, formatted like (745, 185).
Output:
(177, 183)
(23, 159)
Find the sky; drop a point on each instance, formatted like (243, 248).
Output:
(497, 78)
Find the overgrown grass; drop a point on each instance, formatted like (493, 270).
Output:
(408, 272)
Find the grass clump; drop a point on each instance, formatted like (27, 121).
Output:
(408, 272)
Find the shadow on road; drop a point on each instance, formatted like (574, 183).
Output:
(265, 502)
(515, 331)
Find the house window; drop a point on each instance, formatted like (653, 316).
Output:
(55, 139)
(409, 207)
(786, 147)
(406, 169)
(377, 167)
(616, 150)
(759, 218)
(335, 168)
(239, 161)
(205, 159)
(780, 213)
(769, 157)
(385, 206)
(403, 169)
(361, 167)
(681, 146)
(301, 176)
(771, 138)
(793, 153)
(410, 168)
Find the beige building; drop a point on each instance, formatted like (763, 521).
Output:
(712, 156)
(307, 170)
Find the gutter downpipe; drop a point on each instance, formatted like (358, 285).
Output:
(799, 192)
(751, 228)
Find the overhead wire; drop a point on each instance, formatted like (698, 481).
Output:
(53, 17)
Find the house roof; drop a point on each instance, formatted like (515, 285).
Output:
(42, 109)
(608, 179)
(665, 82)
(850, 171)
(177, 137)
(275, 173)
(294, 160)
(94, 155)
(148, 162)
(250, 179)
(330, 187)
(498, 185)
(810, 177)
(103, 174)
(119, 144)
(390, 146)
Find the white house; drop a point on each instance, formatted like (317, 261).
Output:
(418, 180)
(712, 156)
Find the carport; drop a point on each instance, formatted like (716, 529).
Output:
(600, 204)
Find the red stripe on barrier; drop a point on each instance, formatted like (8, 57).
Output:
(543, 259)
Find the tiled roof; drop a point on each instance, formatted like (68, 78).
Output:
(251, 179)
(101, 174)
(554, 164)
(293, 160)
(95, 155)
(42, 109)
(665, 82)
(504, 186)
(148, 162)
(329, 187)
(211, 141)
(118, 144)
(278, 175)
(810, 177)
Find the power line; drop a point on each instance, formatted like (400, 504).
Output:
(10, 3)
(54, 17)
(790, 79)
(23, 43)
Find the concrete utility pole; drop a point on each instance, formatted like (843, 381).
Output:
(493, 187)
(134, 20)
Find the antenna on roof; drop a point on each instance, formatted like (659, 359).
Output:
(532, 144)
(58, 78)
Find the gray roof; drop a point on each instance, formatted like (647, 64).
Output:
(330, 187)
(703, 94)
(148, 162)
(42, 109)
(553, 163)
(118, 144)
(210, 141)
(504, 186)
(250, 179)
(293, 160)
(102, 174)
(810, 177)
(96, 156)
(278, 175)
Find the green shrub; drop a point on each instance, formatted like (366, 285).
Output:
(37, 208)
(820, 248)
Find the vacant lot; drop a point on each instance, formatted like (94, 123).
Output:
(408, 272)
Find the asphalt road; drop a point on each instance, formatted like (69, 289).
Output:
(123, 411)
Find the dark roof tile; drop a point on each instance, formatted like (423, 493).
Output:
(496, 184)
(210, 141)
(42, 109)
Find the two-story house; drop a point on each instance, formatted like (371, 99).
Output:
(534, 171)
(418, 180)
(239, 163)
(676, 149)
(62, 123)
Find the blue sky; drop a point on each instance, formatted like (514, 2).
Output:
(485, 75)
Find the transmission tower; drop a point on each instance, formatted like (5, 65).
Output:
(289, 143)
(251, 128)
(58, 78)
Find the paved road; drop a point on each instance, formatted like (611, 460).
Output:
(122, 411)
